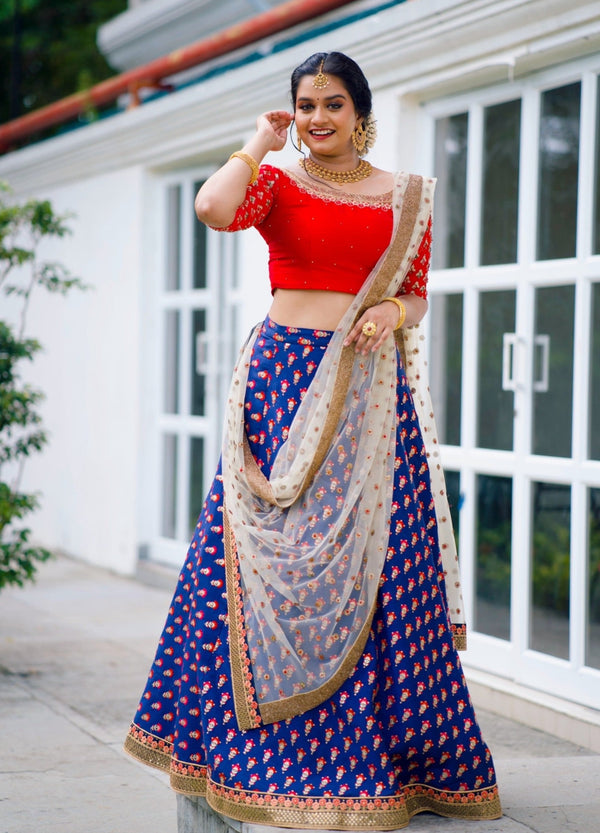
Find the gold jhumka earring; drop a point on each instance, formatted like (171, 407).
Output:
(320, 81)
(359, 138)
(363, 136)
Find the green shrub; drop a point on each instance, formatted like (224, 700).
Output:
(22, 228)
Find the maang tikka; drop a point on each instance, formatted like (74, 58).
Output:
(320, 81)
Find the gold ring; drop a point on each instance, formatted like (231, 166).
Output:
(369, 328)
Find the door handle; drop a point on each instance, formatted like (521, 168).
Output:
(542, 342)
(201, 353)
(509, 376)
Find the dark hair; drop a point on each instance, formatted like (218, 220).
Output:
(347, 70)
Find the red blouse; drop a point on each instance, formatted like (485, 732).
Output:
(319, 240)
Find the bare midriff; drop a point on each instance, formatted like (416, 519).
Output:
(315, 309)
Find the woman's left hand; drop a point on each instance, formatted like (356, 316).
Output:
(384, 316)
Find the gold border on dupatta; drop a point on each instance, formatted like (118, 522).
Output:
(459, 635)
(458, 628)
(299, 703)
(249, 713)
(245, 705)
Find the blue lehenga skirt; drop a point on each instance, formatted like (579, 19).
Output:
(398, 737)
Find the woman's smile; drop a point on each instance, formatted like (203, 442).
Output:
(321, 134)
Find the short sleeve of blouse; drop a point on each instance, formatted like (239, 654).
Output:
(258, 201)
(415, 282)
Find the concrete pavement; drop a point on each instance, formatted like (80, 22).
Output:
(74, 652)
(75, 649)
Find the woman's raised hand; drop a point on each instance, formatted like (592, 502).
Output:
(223, 192)
(273, 126)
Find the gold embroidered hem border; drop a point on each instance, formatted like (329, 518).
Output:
(355, 813)
(192, 782)
(148, 749)
(333, 813)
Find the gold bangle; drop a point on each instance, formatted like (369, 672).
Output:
(250, 161)
(401, 310)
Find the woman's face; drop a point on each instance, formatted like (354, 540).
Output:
(325, 118)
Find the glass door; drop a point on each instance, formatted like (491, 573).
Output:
(514, 322)
(198, 333)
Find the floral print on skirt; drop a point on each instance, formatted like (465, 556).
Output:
(397, 738)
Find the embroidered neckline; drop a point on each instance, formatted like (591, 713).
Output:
(339, 197)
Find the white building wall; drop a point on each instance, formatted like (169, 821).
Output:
(90, 372)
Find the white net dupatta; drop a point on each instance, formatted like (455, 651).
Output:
(305, 548)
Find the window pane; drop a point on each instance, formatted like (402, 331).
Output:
(451, 170)
(494, 405)
(454, 499)
(169, 482)
(173, 265)
(200, 232)
(550, 565)
(593, 622)
(594, 433)
(199, 362)
(558, 170)
(492, 569)
(596, 226)
(446, 364)
(500, 187)
(171, 377)
(196, 490)
(553, 371)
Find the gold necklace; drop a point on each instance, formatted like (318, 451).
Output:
(362, 171)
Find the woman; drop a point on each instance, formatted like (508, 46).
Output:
(308, 674)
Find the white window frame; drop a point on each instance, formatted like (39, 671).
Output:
(569, 679)
(222, 299)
